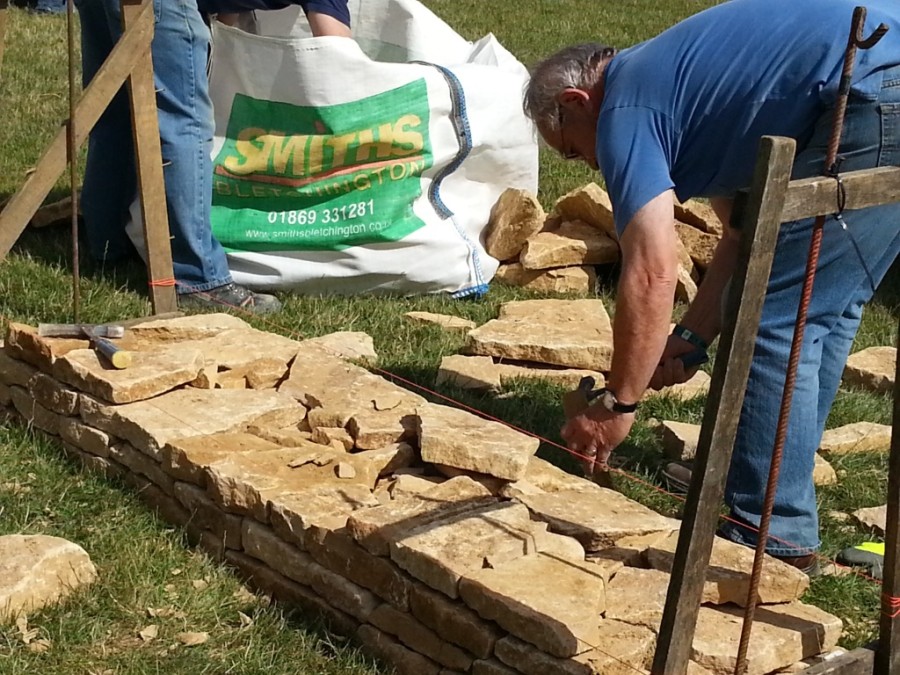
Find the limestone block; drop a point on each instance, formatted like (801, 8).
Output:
(447, 550)
(337, 551)
(245, 483)
(575, 243)
(623, 650)
(564, 377)
(460, 439)
(291, 593)
(149, 425)
(873, 369)
(289, 437)
(856, 437)
(53, 395)
(383, 647)
(700, 245)
(782, 635)
(408, 630)
(679, 439)
(445, 321)
(823, 472)
(37, 571)
(406, 485)
(266, 374)
(597, 517)
(186, 459)
(469, 372)
(126, 454)
(559, 280)
(637, 596)
(168, 508)
(873, 518)
(205, 515)
(98, 465)
(16, 372)
(23, 343)
(575, 333)
(150, 374)
(590, 204)
(491, 667)
(375, 412)
(336, 437)
(685, 286)
(630, 551)
(698, 385)
(192, 327)
(323, 507)
(34, 413)
(390, 458)
(728, 574)
(515, 216)
(699, 215)
(549, 478)
(453, 621)
(86, 438)
(376, 528)
(560, 622)
(493, 484)
(352, 345)
(685, 261)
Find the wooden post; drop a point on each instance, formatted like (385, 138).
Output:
(759, 222)
(94, 100)
(151, 184)
(887, 657)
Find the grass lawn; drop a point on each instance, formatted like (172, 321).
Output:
(147, 575)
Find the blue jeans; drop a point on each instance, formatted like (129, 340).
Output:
(50, 6)
(180, 48)
(845, 281)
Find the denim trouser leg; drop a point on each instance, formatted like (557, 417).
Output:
(845, 281)
(180, 48)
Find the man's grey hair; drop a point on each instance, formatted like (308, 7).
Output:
(577, 67)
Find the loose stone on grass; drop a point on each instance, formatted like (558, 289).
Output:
(352, 345)
(698, 385)
(515, 217)
(856, 437)
(581, 279)
(679, 439)
(469, 372)
(823, 472)
(566, 377)
(574, 243)
(590, 204)
(873, 369)
(575, 333)
(445, 321)
(873, 518)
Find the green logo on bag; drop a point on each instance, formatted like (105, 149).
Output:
(295, 177)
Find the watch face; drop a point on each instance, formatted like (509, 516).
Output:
(608, 400)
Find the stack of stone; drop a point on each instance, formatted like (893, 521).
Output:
(433, 536)
(558, 252)
(556, 340)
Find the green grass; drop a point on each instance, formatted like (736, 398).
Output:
(137, 555)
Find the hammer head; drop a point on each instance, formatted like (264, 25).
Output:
(80, 330)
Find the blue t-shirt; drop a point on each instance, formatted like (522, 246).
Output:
(686, 109)
(336, 9)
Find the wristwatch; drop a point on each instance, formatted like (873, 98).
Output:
(609, 401)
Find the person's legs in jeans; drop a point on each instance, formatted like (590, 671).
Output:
(50, 6)
(851, 263)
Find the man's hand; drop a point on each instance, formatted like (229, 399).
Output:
(594, 434)
(671, 369)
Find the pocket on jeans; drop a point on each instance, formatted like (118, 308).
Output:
(889, 154)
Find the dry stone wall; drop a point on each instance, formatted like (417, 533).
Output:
(434, 537)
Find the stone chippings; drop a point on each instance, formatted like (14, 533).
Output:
(434, 537)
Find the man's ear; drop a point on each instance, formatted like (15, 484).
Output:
(572, 98)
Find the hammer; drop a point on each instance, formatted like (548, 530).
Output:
(97, 335)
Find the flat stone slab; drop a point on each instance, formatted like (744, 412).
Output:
(638, 596)
(856, 437)
(728, 574)
(823, 472)
(574, 333)
(469, 372)
(782, 635)
(150, 374)
(192, 327)
(375, 411)
(377, 528)
(573, 243)
(700, 245)
(445, 321)
(565, 377)
(699, 215)
(590, 204)
(873, 369)
(515, 217)
(352, 345)
(23, 343)
(15, 372)
(873, 518)
(187, 458)
(698, 385)
(149, 425)
(560, 621)
(445, 551)
(38, 570)
(581, 279)
(454, 437)
(323, 506)
(595, 516)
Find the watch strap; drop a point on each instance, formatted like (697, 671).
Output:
(690, 337)
(618, 406)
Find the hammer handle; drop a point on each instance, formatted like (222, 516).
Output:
(119, 358)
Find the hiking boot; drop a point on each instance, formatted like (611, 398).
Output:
(808, 564)
(678, 477)
(230, 296)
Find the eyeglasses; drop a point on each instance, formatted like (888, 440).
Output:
(566, 153)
